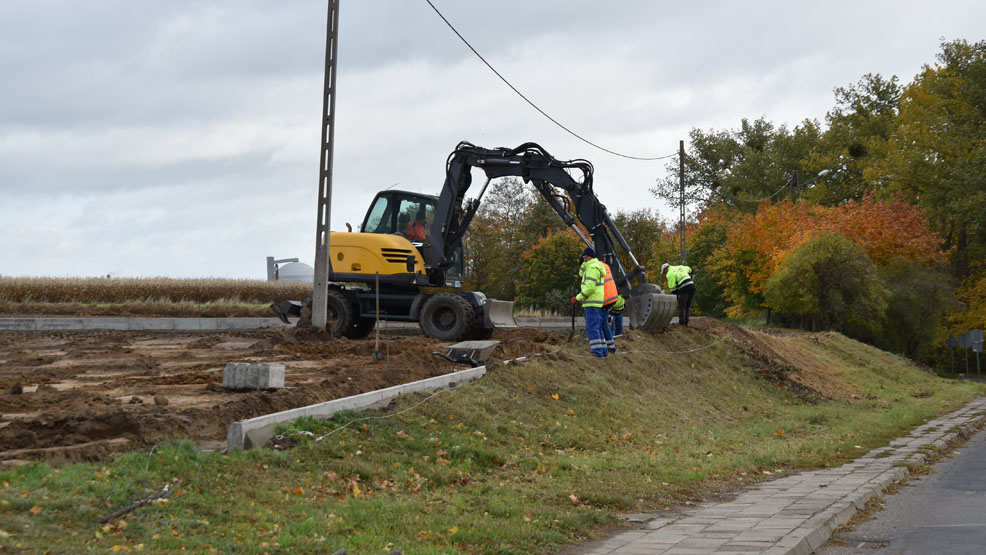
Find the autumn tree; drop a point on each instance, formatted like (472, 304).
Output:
(511, 219)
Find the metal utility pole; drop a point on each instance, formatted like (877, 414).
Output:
(681, 182)
(320, 287)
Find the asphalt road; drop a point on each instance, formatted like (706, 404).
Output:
(942, 513)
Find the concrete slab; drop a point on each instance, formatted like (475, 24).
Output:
(254, 432)
(253, 375)
(18, 324)
(137, 324)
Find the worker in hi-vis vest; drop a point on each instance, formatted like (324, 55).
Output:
(680, 283)
(591, 294)
(610, 295)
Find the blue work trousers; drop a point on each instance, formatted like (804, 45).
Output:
(595, 323)
(616, 323)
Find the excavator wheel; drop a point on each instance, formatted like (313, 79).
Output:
(446, 317)
(339, 316)
(360, 328)
(650, 308)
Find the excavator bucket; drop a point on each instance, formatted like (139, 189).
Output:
(650, 308)
(499, 314)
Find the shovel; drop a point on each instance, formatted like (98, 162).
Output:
(571, 334)
(376, 345)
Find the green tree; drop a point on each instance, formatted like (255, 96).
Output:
(738, 168)
(548, 276)
(704, 239)
(937, 153)
(829, 283)
(856, 142)
(919, 298)
(644, 232)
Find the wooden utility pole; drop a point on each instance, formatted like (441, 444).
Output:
(320, 286)
(681, 182)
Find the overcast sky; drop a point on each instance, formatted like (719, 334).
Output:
(180, 138)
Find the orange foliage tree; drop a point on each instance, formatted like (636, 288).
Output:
(757, 245)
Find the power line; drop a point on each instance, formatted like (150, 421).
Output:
(535, 106)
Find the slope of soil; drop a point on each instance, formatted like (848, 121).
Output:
(83, 395)
(68, 396)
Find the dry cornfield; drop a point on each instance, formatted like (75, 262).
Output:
(21, 290)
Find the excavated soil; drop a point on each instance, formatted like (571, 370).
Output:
(67, 396)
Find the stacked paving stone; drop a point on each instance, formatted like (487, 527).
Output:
(795, 514)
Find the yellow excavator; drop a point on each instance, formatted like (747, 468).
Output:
(407, 257)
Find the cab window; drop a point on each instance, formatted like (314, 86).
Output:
(379, 220)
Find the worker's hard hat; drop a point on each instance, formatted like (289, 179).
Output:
(664, 267)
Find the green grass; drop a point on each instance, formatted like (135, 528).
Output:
(530, 458)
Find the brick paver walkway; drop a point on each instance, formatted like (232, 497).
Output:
(795, 514)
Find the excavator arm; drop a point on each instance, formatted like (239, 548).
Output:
(649, 307)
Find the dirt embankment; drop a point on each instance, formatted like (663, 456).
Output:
(83, 395)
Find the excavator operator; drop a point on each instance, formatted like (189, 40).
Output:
(415, 230)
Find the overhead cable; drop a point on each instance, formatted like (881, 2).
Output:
(535, 106)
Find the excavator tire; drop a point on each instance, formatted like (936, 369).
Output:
(650, 308)
(339, 314)
(360, 328)
(446, 317)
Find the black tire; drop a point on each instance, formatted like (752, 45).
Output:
(339, 314)
(479, 330)
(446, 317)
(360, 328)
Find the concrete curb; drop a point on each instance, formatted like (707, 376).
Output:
(138, 324)
(220, 324)
(255, 432)
(797, 514)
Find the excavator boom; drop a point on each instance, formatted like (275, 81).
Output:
(649, 307)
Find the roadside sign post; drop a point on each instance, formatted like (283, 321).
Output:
(977, 347)
(965, 342)
(951, 342)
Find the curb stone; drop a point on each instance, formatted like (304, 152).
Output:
(803, 509)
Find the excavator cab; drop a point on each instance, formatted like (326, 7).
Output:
(409, 215)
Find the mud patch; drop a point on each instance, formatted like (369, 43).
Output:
(69, 396)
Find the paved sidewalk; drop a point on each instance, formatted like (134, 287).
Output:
(795, 514)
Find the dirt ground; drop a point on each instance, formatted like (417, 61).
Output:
(67, 396)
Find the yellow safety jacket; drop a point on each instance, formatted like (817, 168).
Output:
(619, 305)
(679, 276)
(592, 275)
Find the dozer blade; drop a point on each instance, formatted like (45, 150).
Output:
(499, 314)
(650, 308)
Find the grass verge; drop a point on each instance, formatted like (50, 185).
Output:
(530, 458)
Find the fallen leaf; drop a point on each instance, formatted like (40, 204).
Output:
(570, 411)
(36, 510)
(453, 530)
(780, 432)
(554, 396)
(573, 498)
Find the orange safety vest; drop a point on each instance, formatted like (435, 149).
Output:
(609, 286)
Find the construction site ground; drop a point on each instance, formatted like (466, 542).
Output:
(84, 395)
